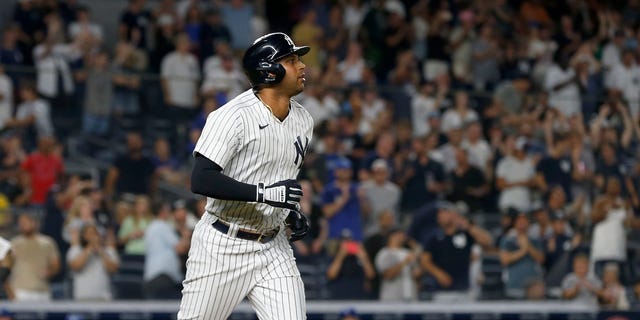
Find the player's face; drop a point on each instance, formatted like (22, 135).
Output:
(294, 79)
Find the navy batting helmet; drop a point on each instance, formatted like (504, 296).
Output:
(260, 61)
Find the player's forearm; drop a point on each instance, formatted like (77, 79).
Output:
(207, 180)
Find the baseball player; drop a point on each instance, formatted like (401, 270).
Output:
(246, 162)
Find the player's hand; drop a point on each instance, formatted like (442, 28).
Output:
(283, 194)
(299, 225)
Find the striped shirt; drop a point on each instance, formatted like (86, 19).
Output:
(252, 145)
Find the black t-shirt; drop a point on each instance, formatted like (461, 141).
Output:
(472, 178)
(135, 175)
(350, 284)
(137, 20)
(452, 253)
(557, 172)
(415, 193)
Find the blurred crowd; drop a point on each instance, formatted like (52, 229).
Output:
(462, 149)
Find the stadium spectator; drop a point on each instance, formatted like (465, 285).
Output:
(91, 261)
(353, 66)
(613, 292)
(192, 26)
(557, 168)
(350, 272)
(460, 114)
(132, 172)
(83, 26)
(167, 165)
(32, 118)
(213, 31)
(224, 81)
(134, 21)
(132, 230)
(381, 194)
(127, 62)
(485, 55)
(42, 169)
(12, 155)
(479, 151)
(98, 98)
(10, 53)
(426, 101)
(343, 203)
(51, 59)
(422, 179)
(309, 33)
(335, 34)
(6, 98)
(580, 285)
(36, 260)
(180, 73)
(515, 176)
(611, 216)
(447, 254)
(468, 183)
(398, 268)
(320, 104)
(612, 54)
(79, 215)
(561, 84)
(521, 256)
(237, 16)
(625, 81)
(162, 271)
(166, 30)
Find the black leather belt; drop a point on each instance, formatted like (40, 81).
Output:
(246, 235)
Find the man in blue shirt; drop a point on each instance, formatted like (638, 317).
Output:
(343, 203)
(163, 268)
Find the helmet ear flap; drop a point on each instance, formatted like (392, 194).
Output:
(271, 73)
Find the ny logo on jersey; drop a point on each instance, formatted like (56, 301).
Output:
(301, 150)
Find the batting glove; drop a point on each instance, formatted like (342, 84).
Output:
(299, 225)
(283, 194)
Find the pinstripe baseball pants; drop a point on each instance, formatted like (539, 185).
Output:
(222, 270)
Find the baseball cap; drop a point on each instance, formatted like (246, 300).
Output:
(379, 164)
(349, 312)
(433, 114)
(342, 163)
(521, 143)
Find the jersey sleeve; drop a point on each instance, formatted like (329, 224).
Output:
(221, 136)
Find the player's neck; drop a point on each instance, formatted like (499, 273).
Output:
(277, 103)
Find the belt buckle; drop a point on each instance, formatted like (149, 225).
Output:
(260, 237)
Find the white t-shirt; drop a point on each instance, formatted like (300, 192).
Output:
(75, 28)
(91, 282)
(402, 287)
(512, 170)
(421, 106)
(452, 119)
(160, 240)
(609, 240)
(479, 153)
(41, 111)
(53, 64)
(321, 109)
(182, 74)
(627, 80)
(566, 100)
(6, 99)
(352, 73)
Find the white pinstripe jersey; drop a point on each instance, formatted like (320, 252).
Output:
(252, 145)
